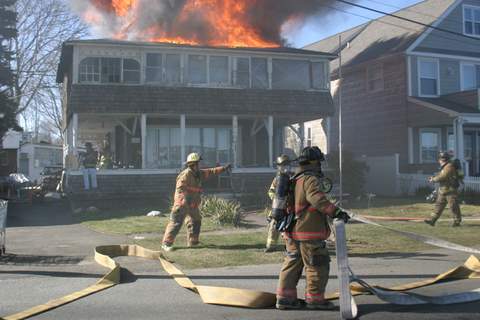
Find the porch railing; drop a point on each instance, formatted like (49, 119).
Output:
(410, 183)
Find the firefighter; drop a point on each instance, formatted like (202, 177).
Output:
(187, 201)
(306, 247)
(282, 163)
(449, 180)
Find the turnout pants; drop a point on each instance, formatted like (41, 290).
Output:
(453, 203)
(311, 255)
(273, 234)
(177, 217)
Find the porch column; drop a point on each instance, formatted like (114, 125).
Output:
(270, 141)
(235, 140)
(143, 132)
(301, 133)
(182, 139)
(75, 133)
(461, 145)
(455, 138)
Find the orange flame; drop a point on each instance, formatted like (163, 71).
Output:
(227, 22)
(122, 7)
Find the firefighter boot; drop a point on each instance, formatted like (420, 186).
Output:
(430, 222)
(287, 304)
(325, 305)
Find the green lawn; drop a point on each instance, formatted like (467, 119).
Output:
(128, 221)
(222, 246)
(407, 207)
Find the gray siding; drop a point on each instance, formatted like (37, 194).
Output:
(449, 76)
(454, 22)
(414, 76)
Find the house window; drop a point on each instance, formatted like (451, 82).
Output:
(319, 75)
(428, 77)
(197, 69)
(375, 78)
(430, 144)
(260, 73)
(90, 70)
(451, 142)
(242, 78)
(471, 18)
(173, 68)
(218, 70)
(164, 146)
(290, 74)
(131, 71)
(3, 158)
(110, 70)
(154, 69)
(470, 75)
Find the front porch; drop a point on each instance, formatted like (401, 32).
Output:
(443, 124)
(149, 150)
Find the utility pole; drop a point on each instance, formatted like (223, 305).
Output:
(340, 142)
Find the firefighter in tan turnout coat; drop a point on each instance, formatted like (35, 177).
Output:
(305, 245)
(187, 201)
(449, 182)
(272, 237)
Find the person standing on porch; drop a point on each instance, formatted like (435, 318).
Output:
(89, 167)
(187, 201)
(449, 181)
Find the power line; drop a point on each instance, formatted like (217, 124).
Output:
(407, 19)
(393, 24)
(409, 10)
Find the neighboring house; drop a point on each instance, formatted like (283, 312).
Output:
(150, 104)
(35, 157)
(408, 89)
(9, 153)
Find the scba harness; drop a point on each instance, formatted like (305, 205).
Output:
(283, 206)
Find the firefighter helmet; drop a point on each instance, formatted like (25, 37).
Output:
(282, 160)
(442, 155)
(193, 157)
(311, 154)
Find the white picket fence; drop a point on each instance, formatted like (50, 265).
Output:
(409, 183)
(384, 178)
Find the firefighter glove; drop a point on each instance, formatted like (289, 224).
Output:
(228, 167)
(342, 215)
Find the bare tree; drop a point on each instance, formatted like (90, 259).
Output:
(42, 26)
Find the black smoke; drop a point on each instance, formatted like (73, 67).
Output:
(267, 17)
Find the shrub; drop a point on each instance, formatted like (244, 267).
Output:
(354, 172)
(221, 211)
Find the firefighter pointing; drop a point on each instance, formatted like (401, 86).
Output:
(306, 247)
(187, 201)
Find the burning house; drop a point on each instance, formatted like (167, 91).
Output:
(147, 104)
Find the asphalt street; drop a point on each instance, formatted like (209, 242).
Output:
(49, 255)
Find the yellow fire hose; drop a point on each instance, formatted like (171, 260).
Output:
(215, 295)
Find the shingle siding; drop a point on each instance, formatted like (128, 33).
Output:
(149, 99)
(163, 185)
(374, 124)
(453, 22)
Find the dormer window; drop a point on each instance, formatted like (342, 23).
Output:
(471, 18)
